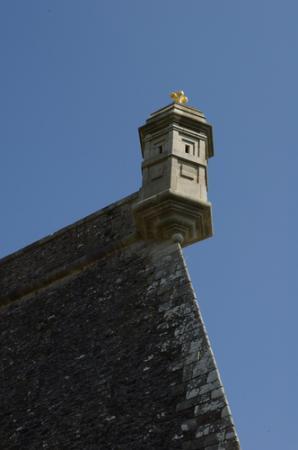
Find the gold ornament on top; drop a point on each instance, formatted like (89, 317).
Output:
(179, 97)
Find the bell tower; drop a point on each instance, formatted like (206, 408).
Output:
(176, 143)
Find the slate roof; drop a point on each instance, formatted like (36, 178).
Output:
(103, 345)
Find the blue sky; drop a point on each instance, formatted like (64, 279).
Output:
(77, 79)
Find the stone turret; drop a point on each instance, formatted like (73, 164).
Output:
(176, 143)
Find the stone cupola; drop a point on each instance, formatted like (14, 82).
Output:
(176, 143)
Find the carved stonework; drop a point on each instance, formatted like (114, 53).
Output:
(176, 143)
(167, 215)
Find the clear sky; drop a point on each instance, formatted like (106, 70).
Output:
(78, 77)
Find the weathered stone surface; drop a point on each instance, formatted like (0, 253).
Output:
(176, 144)
(103, 346)
(88, 237)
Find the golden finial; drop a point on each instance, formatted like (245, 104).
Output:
(179, 97)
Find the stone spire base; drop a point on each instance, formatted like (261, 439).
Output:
(170, 216)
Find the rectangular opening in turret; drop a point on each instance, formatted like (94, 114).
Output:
(187, 148)
(160, 149)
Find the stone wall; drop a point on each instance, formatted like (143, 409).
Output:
(103, 346)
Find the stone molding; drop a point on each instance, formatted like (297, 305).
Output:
(165, 215)
(185, 116)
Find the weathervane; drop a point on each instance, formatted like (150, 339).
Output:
(179, 97)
